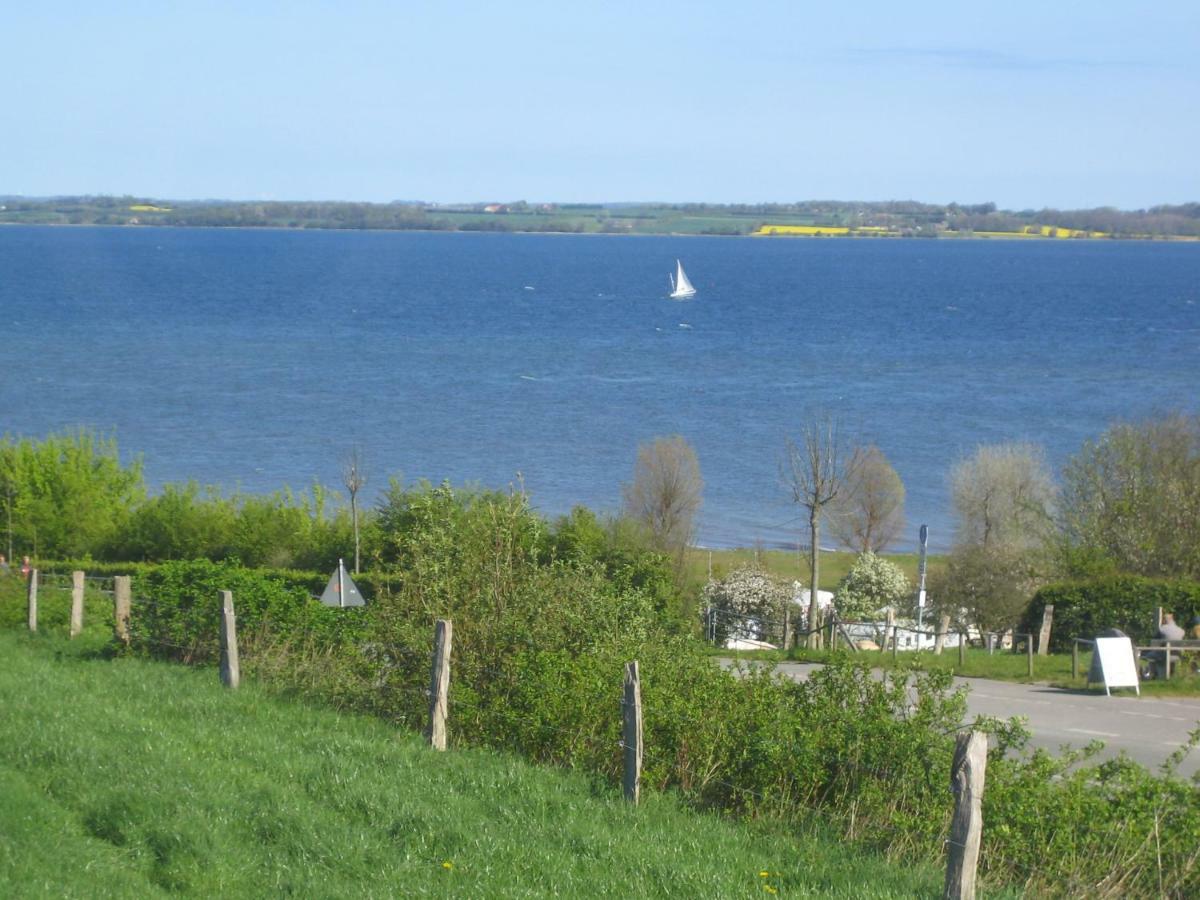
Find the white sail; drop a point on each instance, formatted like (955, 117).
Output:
(683, 287)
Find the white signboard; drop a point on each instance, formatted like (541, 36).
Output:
(1118, 664)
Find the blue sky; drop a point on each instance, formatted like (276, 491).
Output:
(1065, 104)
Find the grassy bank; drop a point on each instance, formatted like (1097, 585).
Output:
(123, 777)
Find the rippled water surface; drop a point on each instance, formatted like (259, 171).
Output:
(256, 358)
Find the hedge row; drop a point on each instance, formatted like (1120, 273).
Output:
(1085, 608)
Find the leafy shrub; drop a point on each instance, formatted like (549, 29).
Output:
(1085, 608)
(54, 603)
(542, 631)
(67, 494)
(177, 610)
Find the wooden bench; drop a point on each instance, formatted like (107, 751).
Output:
(1171, 653)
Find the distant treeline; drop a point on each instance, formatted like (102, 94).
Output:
(909, 218)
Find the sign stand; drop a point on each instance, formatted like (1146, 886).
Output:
(1118, 664)
(341, 590)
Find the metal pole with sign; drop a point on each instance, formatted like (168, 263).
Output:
(921, 581)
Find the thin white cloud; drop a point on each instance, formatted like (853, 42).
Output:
(992, 60)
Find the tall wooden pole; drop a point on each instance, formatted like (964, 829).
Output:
(966, 827)
(122, 596)
(231, 674)
(31, 592)
(632, 732)
(439, 684)
(1044, 636)
(76, 603)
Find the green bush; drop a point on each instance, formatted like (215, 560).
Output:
(176, 611)
(1085, 608)
(543, 626)
(54, 603)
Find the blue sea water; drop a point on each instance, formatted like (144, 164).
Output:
(255, 359)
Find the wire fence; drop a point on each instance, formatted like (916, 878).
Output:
(593, 737)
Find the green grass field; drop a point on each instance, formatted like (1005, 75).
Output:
(789, 564)
(126, 778)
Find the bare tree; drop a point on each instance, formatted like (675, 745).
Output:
(666, 492)
(354, 477)
(816, 471)
(1004, 499)
(869, 515)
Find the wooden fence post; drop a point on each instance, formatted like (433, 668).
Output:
(1028, 650)
(122, 595)
(1044, 637)
(1074, 657)
(939, 639)
(895, 642)
(231, 674)
(966, 827)
(76, 603)
(31, 599)
(632, 732)
(962, 650)
(439, 684)
(887, 628)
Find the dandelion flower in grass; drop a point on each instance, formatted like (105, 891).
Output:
(447, 865)
(769, 889)
(764, 874)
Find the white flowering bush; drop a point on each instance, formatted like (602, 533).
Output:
(871, 584)
(749, 602)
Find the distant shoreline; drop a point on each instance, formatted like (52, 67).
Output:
(808, 218)
(940, 236)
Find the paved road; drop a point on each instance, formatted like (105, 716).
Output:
(1147, 729)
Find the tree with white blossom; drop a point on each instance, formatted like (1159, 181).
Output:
(748, 602)
(871, 584)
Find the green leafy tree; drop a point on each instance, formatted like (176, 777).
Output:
(988, 586)
(1132, 498)
(67, 495)
(183, 521)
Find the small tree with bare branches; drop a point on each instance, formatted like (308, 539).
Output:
(816, 470)
(666, 493)
(869, 515)
(354, 477)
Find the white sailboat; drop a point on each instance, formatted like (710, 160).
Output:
(681, 288)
